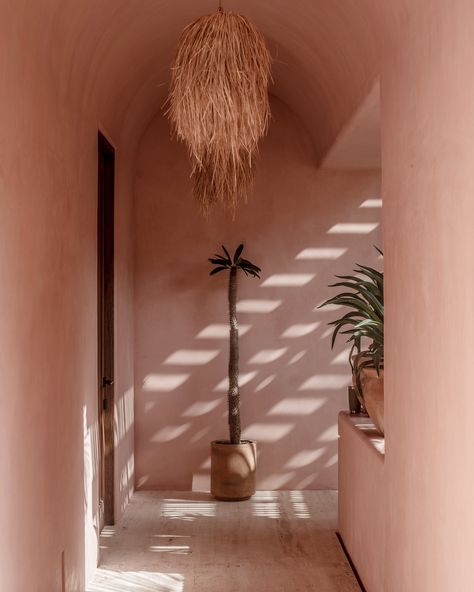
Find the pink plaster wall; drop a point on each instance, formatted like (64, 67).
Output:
(48, 300)
(124, 478)
(428, 189)
(289, 405)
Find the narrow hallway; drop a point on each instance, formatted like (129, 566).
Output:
(145, 355)
(189, 542)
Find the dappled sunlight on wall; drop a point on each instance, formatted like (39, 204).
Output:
(123, 438)
(219, 331)
(258, 306)
(164, 382)
(288, 279)
(353, 228)
(265, 356)
(321, 253)
(302, 226)
(371, 203)
(296, 406)
(191, 357)
(91, 517)
(300, 330)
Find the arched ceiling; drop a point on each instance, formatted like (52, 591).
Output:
(114, 55)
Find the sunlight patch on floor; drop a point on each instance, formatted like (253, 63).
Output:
(265, 504)
(278, 541)
(187, 510)
(173, 549)
(133, 581)
(300, 507)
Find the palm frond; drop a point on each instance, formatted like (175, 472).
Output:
(238, 252)
(249, 268)
(217, 270)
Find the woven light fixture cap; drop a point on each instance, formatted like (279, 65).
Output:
(218, 104)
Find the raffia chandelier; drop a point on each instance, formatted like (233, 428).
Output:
(218, 104)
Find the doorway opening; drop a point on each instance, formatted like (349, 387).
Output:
(105, 266)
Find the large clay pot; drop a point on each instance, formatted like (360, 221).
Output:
(233, 470)
(372, 392)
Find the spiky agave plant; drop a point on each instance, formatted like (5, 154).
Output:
(223, 263)
(365, 320)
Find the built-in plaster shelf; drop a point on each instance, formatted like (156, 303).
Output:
(365, 429)
(362, 497)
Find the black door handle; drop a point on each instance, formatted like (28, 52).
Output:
(107, 381)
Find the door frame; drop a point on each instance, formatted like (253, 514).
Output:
(105, 327)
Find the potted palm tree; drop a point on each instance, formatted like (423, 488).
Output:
(233, 461)
(364, 325)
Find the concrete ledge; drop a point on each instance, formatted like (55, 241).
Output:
(362, 497)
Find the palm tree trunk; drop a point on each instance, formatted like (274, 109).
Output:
(233, 394)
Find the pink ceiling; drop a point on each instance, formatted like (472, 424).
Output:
(117, 53)
(358, 145)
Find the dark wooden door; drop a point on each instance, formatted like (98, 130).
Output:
(105, 245)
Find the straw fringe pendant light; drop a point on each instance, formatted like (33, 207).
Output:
(218, 104)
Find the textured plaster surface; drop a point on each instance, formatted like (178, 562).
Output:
(428, 188)
(362, 497)
(301, 226)
(188, 542)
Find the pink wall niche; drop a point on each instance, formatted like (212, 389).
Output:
(301, 225)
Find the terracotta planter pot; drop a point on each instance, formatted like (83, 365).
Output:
(233, 470)
(372, 392)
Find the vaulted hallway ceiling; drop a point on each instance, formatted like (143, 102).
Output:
(118, 53)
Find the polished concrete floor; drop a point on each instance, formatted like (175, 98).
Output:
(188, 542)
